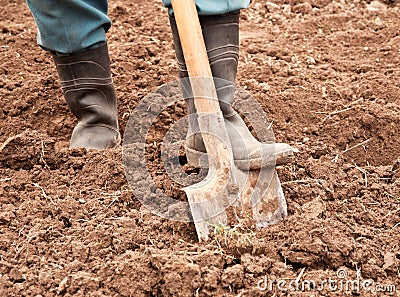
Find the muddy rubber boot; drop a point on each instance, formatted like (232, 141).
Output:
(89, 91)
(221, 36)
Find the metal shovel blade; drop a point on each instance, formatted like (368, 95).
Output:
(262, 195)
(257, 194)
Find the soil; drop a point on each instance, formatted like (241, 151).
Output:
(326, 73)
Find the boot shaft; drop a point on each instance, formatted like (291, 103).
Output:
(89, 91)
(88, 87)
(221, 37)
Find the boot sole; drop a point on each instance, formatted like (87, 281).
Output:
(199, 159)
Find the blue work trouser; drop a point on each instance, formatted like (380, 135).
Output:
(70, 26)
(214, 7)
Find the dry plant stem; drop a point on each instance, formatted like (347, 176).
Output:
(363, 172)
(357, 145)
(300, 275)
(347, 108)
(8, 140)
(336, 112)
(44, 193)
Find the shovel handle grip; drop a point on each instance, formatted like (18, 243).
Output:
(195, 53)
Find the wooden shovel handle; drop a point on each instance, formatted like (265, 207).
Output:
(195, 53)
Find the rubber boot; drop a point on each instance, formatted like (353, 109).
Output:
(89, 91)
(221, 36)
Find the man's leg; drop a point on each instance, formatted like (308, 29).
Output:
(74, 32)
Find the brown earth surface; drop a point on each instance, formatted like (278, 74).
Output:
(326, 73)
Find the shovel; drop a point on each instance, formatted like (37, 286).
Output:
(227, 194)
